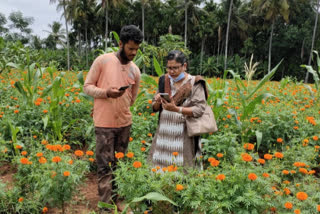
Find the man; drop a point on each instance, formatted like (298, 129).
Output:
(111, 112)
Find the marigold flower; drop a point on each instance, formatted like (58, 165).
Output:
(318, 206)
(286, 182)
(220, 177)
(24, 160)
(288, 205)
(214, 163)
(279, 140)
(89, 153)
(18, 147)
(91, 160)
(143, 149)
(179, 187)
(130, 139)
(153, 169)
(299, 164)
(143, 142)
(66, 173)
(39, 154)
(315, 138)
(266, 175)
(20, 199)
(297, 211)
(248, 146)
(175, 153)
(150, 101)
(56, 159)
(44, 142)
(149, 134)
(16, 111)
(66, 147)
(45, 111)
(278, 155)
(303, 170)
(119, 155)
(302, 196)
(70, 162)
(287, 191)
(78, 153)
(252, 176)
(267, 156)
(219, 155)
(45, 209)
(246, 157)
(42, 160)
(130, 154)
(137, 164)
(24, 153)
(261, 161)
(285, 172)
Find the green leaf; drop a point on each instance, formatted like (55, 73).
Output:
(259, 138)
(45, 122)
(19, 87)
(251, 106)
(157, 66)
(80, 77)
(116, 36)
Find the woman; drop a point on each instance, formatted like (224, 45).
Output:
(188, 94)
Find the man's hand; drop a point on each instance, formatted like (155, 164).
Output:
(114, 92)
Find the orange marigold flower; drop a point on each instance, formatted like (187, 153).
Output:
(287, 191)
(66, 147)
(248, 146)
(45, 209)
(143, 142)
(318, 206)
(130, 154)
(267, 156)
(149, 134)
(285, 172)
(179, 187)
(286, 182)
(143, 149)
(42, 160)
(89, 153)
(220, 177)
(91, 160)
(175, 153)
(18, 147)
(24, 153)
(24, 160)
(150, 101)
(44, 142)
(266, 175)
(315, 138)
(288, 205)
(278, 155)
(137, 164)
(78, 153)
(153, 169)
(297, 211)
(56, 159)
(214, 163)
(303, 170)
(219, 155)
(252, 176)
(302, 196)
(16, 111)
(66, 173)
(279, 140)
(70, 162)
(261, 161)
(45, 111)
(299, 164)
(119, 155)
(20, 199)
(130, 139)
(246, 157)
(39, 154)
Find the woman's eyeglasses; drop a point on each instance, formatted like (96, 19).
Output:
(173, 68)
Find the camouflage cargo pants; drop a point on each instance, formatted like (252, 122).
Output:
(109, 141)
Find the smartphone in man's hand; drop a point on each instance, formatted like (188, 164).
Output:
(122, 88)
(165, 96)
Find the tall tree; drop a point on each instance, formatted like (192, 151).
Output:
(227, 35)
(3, 21)
(272, 10)
(316, 8)
(57, 33)
(63, 4)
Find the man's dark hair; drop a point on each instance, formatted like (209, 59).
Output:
(178, 56)
(131, 32)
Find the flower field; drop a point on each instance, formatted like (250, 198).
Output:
(264, 158)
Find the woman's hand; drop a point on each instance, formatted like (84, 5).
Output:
(169, 106)
(157, 99)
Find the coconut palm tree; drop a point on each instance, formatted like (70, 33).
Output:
(57, 33)
(62, 4)
(272, 10)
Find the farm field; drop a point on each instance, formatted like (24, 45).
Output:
(264, 158)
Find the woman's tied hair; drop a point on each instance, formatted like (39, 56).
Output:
(131, 32)
(178, 56)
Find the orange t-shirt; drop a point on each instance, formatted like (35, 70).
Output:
(106, 72)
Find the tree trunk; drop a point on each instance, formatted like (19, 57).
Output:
(313, 38)
(86, 35)
(270, 46)
(201, 54)
(142, 7)
(67, 36)
(79, 37)
(107, 20)
(227, 36)
(185, 22)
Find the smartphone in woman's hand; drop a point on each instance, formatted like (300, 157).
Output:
(165, 96)
(122, 88)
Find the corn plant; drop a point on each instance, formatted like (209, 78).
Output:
(316, 74)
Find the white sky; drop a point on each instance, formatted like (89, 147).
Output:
(42, 12)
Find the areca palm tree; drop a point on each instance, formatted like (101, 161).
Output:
(316, 8)
(272, 9)
(62, 4)
(57, 33)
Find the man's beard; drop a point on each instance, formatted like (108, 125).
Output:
(123, 55)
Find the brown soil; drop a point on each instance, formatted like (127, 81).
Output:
(6, 174)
